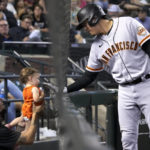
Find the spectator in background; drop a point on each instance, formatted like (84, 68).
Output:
(32, 3)
(143, 18)
(20, 8)
(39, 19)
(75, 36)
(29, 3)
(82, 3)
(29, 11)
(4, 31)
(42, 3)
(129, 7)
(2, 16)
(13, 92)
(114, 10)
(9, 15)
(103, 3)
(74, 9)
(10, 7)
(25, 32)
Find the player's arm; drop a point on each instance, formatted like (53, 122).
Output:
(146, 47)
(87, 78)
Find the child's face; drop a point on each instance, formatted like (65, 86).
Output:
(35, 79)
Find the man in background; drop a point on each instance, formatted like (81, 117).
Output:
(8, 15)
(143, 18)
(25, 32)
(4, 31)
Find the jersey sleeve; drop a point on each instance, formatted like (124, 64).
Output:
(141, 33)
(93, 65)
(8, 138)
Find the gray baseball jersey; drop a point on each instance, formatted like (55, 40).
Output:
(119, 52)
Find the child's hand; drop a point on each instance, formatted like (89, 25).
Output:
(8, 126)
(41, 93)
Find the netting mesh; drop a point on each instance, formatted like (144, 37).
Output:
(75, 133)
(59, 18)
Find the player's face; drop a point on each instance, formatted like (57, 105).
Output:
(93, 30)
(35, 79)
(89, 29)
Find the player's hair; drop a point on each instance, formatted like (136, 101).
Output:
(26, 72)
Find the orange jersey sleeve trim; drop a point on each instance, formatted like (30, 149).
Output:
(94, 69)
(144, 39)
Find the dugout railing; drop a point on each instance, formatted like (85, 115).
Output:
(91, 100)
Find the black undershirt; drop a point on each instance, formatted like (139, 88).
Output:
(87, 78)
(146, 47)
(8, 138)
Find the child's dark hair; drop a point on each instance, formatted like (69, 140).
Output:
(26, 72)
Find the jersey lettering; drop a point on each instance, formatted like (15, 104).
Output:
(124, 44)
(136, 45)
(116, 48)
(108, 52)
(120, 44)
(127, 45)
(105, 59)
(131, 46)
(113, 49)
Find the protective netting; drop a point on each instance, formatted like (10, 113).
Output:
(75, 133)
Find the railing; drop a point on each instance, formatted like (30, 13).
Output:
(43, 48)
(90, 100)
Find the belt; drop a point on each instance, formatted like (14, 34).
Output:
(138, 80)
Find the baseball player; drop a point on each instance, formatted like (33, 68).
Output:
(121, 47)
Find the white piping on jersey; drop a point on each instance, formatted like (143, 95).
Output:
(119, 52)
